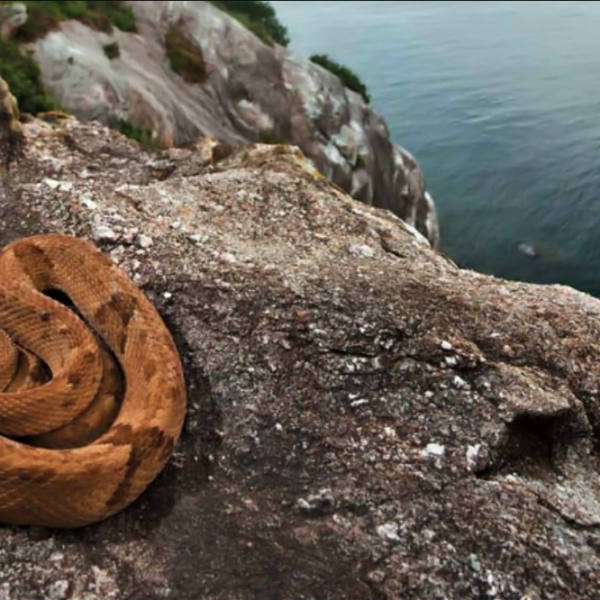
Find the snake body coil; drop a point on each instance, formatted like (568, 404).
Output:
(92, 394)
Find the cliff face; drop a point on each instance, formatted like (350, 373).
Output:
(249, 91)
(366, 421)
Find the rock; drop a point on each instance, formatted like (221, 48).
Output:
(11, 133)
(252, 91)
(103, 233)
(490, 490)
(145, 242)
(12, 16)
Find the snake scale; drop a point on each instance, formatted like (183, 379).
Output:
(92, 392)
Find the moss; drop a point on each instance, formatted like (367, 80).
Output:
(44, 16)
(268, 137)
(22, 74)
(348, 77)
(259, 17)
(185, 56)
(112, 51)
(142, 135)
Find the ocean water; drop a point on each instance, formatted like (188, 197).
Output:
(500, 103)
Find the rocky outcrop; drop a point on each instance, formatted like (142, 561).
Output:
(11, 133)
(250, 92)
(366, 421)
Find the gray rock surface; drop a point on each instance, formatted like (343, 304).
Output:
(366, 421)
(251, 92)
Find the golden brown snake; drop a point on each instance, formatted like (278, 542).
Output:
(92, 394)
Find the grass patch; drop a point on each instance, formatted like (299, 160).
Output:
(112, 51)
(45, 16)
(22, 74)
(185, 56)
(142, 135)
(348, 77)
(259, 17)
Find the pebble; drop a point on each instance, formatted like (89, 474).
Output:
(59, 590)
(103, 233)
(473, 456)
(389, 532)
(145, 242)
(362, 250)
(447, 347)
(460, 383)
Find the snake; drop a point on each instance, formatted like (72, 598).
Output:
(92, 388)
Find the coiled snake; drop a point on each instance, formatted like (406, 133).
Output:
(92, 394)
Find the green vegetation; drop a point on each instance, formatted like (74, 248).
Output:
(185, 56)
(143, 135)
(348, 77)
(44, 16)
(259, 17)
(112, 51)
(20, 70)
(269, 138)
(22, 74)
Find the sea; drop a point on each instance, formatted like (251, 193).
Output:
(500, 103)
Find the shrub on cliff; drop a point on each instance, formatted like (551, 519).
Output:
(44, 16)
(348, 77)
(259, 17)
(185, 56)
(22, 74)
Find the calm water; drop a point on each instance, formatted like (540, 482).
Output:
(500, 102)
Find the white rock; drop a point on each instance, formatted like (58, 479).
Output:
(103, 233)
(436, 450)
(451, 361)
(447, 346)
(145, 242)
(389, 532)
(52, 183)
(473, 456)
(362, 250)
(89, 204)
(460, 383)
(59, 590)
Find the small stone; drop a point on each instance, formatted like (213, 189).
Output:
(389, 532)
(473, 456)
(377, 577)
(459, 383)
(451, 361)
(52, 183)
(145, 242)
(362, 250)
(103, 233)
(435, 450)
(508, 352)
(59, 590)
(89, 204)
(447, 347)
(229, 258)
(167, 295)
(475, 564)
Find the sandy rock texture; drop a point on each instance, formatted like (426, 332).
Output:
(250, 92)
(366, 421)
